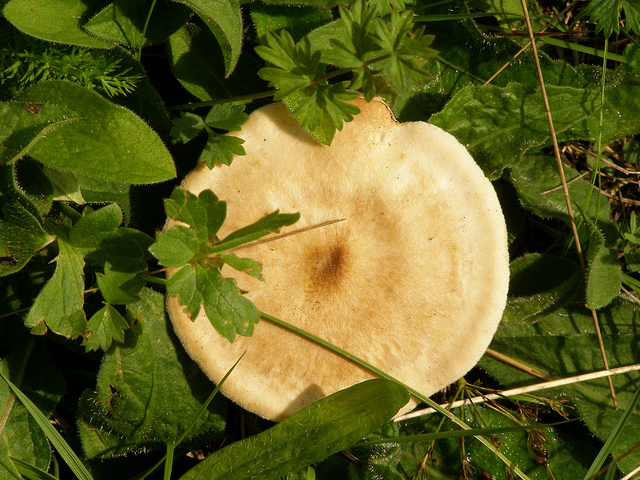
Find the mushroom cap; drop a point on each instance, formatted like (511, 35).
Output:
(414, 281)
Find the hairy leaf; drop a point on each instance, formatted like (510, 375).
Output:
(126, 149)
(310, 435)
(148, 390)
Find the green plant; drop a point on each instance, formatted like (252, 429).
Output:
(91, 141)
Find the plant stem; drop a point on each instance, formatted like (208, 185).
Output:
(565, 190)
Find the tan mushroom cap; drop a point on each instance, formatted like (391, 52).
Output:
(414, 281)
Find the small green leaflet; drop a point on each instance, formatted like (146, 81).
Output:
(195, 250)
(219, 148)
(606, 15)
(297, 76)
(362, 43)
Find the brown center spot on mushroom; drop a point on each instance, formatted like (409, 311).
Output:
(329, 264)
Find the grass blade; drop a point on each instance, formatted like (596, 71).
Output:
(62, 447)
(615, 433)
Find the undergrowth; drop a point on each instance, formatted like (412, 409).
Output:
(106, 106)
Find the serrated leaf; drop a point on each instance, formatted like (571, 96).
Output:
(123, 21)
(126, 150)
(121, 287)
(268, 224)
(187, 126)
(227, 310)
(221, 149)
(246, 265)
(176, 246)
(59, 305)
(606, 14)
(105, 327)
(148, 390)
(312, 434)
(204, 213)
(224, 19)
(226, 116)
(54, 20)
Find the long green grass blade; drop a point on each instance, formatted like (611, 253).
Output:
(62, 447)
(615, 433)
(30, 472)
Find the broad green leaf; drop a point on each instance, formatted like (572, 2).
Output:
(104, 327)
(312, 434)
(540, 284)
(564, 344)
(542, 452)
(297, 20)
(126, 149)
(94, 190)
(498, 125)
(59, 305)
(54, 20)
(228, 311)
(24, 124)
(148, 390)
(197, 63)
(21, 236)
(266, 225)
(22, 438)
(221, 149)
(224, 19)
(123, 21)
(30, 182)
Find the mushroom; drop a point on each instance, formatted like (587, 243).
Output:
(414, 281)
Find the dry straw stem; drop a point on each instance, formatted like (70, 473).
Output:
(523, 390)
(565, 190)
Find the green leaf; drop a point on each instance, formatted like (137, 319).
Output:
(224, 19)
(204, 214)
(126, 149)
(604, 272)
(197, 63)
(59, 305)
(221, 149)
(105, 326)
(24, 124)
(21, 439)
(175, 247)
(21, 236)
(187, 126)
(54, 20)
(246, 265)
(120, 287)
(268, 224)
(321, 107)
(312, 434)
(295, 19)
(226, 116)
(540, 284)
(123, 21)
(148, 390)
(227, 310)
(606, 14)
(564, 344)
